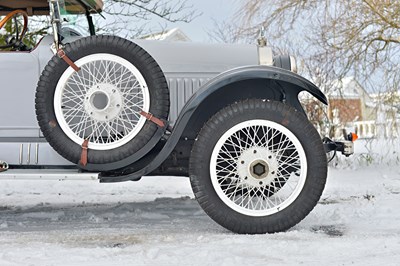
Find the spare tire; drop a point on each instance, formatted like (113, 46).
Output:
(101, 103)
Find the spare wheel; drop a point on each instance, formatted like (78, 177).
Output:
(101, 103)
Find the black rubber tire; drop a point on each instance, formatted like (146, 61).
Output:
(232, 115)
(151, 71)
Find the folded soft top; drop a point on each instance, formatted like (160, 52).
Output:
(41, 7)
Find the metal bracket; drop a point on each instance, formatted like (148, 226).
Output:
(345, 147)
(56, 22)
(265, 55)
(119, 166)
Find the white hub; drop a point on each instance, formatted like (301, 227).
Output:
(257, 166)
(103, 102)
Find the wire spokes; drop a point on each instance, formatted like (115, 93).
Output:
(258, 167)
(102, 102)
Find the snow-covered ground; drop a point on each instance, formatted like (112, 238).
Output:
(156, 221)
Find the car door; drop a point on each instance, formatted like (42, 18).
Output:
(19, 74)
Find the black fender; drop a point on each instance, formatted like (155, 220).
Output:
(284, 86)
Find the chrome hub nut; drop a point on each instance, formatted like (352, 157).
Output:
(259, 169)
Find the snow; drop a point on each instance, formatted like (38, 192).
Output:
(156, 221)
(376, 152)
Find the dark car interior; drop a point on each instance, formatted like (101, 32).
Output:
(14, 24)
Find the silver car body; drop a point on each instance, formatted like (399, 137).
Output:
(187, 66)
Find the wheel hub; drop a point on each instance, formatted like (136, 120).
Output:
(103, 102)
(257, 166)
(100, 100)
(259, 169)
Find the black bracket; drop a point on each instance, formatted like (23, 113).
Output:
(345, 147)
(131, 159)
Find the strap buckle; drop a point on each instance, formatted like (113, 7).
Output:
(61, 53)
(152, 118)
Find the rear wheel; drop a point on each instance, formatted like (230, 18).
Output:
(257, 167)
(101, 103)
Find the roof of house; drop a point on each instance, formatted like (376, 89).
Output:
(347, 88)
(173, 35)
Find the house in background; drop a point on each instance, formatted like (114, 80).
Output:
(349, 102)
(351, 107)
(172, 35)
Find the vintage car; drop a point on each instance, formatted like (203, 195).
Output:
(227, 116)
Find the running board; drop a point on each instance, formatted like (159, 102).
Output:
(47, 174)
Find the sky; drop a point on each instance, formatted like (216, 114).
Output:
(211, 10)
(208, 13)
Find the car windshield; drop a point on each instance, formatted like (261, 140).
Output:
(74, 16)
(73, 23)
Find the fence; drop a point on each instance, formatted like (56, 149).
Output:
(379, 144)
(372, 129)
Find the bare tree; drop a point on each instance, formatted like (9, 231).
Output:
(332, 38)
(127, 18)
(130, 18)
(357, 36)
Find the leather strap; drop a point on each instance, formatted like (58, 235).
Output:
(67, 60)
(84, 154)
(153, 119)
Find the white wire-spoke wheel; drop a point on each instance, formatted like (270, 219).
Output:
(257, 167)
(101, 103)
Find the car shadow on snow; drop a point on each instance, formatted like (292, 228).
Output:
(161, 214)
(172, 215)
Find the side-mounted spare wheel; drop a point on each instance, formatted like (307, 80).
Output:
(101, 103)
(258, 166)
